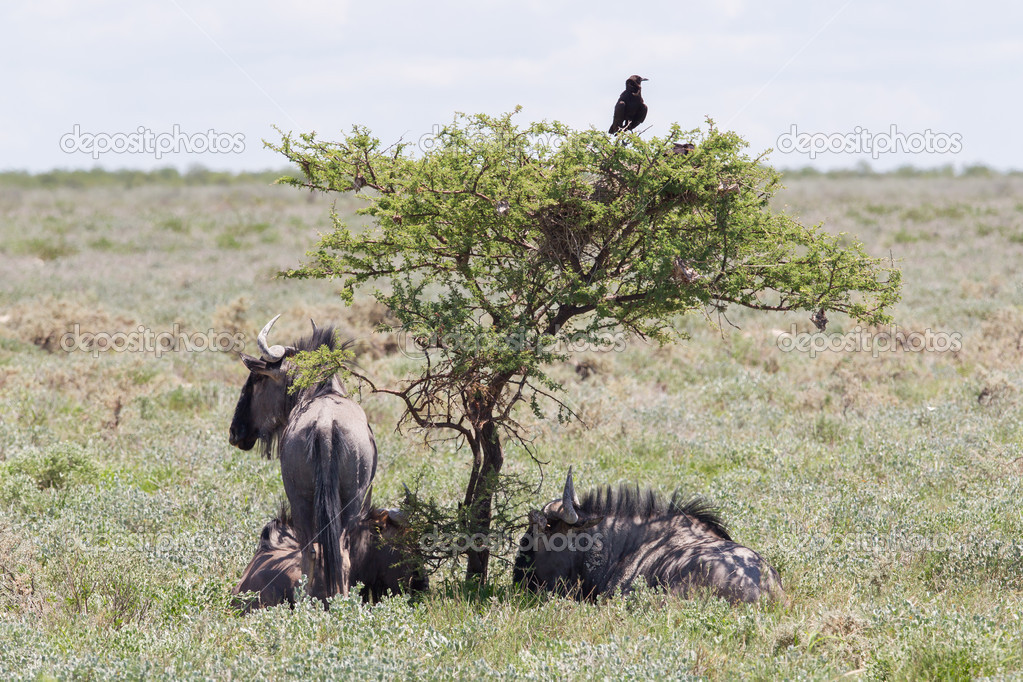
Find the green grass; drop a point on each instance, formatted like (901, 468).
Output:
(885, 489)
(44, 248)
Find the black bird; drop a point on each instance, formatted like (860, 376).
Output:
(630, 110)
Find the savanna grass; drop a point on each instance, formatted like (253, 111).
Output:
(883, 486)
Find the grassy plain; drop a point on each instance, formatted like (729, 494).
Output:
(884, 486)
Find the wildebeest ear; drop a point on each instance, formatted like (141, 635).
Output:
(588, 523)
(537, 521)
(387, 522)
(261, 366)
(396, 518)
(253, 364)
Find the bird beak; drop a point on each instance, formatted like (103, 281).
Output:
(644, 79)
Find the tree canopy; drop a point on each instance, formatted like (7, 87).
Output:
(494, 245)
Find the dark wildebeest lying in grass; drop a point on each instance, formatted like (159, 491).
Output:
(274, 571)
(612, 538)
(327, 451)
(276, 568)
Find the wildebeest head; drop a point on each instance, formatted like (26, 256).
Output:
(378, 564)
(263, 407)
(613, 538)
(553, 548)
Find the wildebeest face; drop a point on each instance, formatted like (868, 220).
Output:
(553, 551)
(383, 567)
(262, 404)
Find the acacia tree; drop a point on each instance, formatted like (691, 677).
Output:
(493, 244)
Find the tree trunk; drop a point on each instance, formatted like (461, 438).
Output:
(479, 497)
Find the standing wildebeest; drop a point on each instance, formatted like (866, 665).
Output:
(276, 568)
(630, 110)
(610, 539)
(327, 451)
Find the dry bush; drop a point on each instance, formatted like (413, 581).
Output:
(5, 373)
(997, 390)
(999, 343)
(233, 317)
(840, 633)
(359, 322)
(370, 313)
(92, 391)
(44, 322)
(18, 571)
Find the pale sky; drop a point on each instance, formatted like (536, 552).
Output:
(947, 75)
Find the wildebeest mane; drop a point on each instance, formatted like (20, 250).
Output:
(325, 336)
(269, 438)
(280, 525)
(283, 513)
(629, 500)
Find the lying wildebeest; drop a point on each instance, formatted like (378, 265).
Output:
(276, 568)
(327, 452)
(610, 539)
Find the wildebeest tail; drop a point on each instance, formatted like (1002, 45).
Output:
(330, 513)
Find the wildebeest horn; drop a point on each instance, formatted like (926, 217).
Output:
(313, 324)
(270, 353)
(384, 516)
(397, 518)
(568, 512)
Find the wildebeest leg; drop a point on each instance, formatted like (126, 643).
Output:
(346, 563)
(311, 559)
(308, 565)
(297, 476)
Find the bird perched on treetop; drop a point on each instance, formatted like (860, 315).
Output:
(630, 110)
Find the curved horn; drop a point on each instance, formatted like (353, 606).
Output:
(269, 353)
(397, 518)
(313, 324)
(568, 512)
